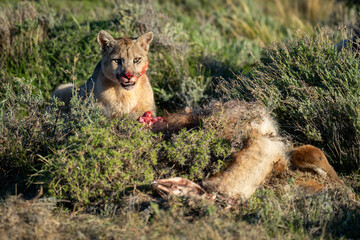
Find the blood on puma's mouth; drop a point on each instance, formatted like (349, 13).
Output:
(127, 85)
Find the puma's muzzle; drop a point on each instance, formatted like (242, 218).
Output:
(127, 80)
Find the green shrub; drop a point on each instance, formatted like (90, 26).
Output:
(196, 154)
(96, 165)
(313, 92)
(30, 128)
(25, 131)
(99, 162)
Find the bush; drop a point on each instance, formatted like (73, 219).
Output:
(31, 128)
(313, 92)
(197, 153)
(25, 132)
(97, 165)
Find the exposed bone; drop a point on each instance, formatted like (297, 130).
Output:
(180, 187)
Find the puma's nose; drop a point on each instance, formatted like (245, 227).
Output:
(128, 75)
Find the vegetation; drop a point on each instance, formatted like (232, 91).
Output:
(96, 171)
(314, 93)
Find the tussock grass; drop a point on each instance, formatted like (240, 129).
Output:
(22, 29)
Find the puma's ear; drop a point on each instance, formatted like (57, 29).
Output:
(104, 39)
(145, 40)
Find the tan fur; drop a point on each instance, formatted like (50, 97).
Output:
(249, 169)
(310, 157)
(119, 82)
(264, 150)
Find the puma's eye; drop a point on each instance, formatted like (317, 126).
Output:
(117, 61)
(137, 60)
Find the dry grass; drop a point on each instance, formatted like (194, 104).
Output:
(21, 29)
(21, 219)
(245, 21)
(278, 210)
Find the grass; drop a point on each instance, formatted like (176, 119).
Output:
(96, 172)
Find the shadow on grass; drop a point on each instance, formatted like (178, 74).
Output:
(221, 72)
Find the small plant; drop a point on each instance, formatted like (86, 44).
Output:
(196, 154)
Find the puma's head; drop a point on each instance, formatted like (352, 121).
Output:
(124, 60)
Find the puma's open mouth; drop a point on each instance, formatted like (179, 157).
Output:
(128, 86)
